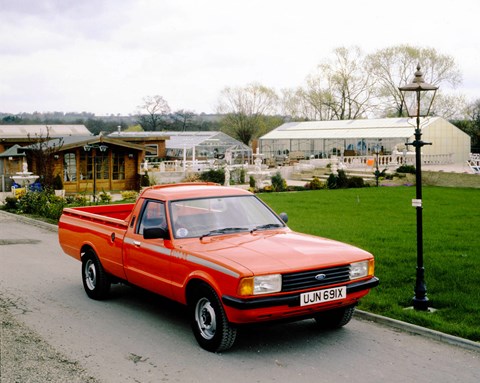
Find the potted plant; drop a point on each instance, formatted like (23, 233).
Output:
(58, 186)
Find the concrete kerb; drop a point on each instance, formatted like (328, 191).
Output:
(31, 221)
(359, 314)
(418, 330)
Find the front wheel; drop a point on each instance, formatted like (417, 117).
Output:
(337, 318)
(209, 321)
(96, 281)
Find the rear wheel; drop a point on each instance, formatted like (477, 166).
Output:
(335, 318)
(96, 281)
(209, 321)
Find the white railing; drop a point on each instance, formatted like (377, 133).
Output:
(395, 160)
(179, 166)
(384, 161)
(474, 162)
(191, 166)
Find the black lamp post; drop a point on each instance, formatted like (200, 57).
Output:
(377, 172)
(102, 148)
(418, 102)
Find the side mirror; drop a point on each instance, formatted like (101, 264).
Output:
(155, 233)
(284, 217)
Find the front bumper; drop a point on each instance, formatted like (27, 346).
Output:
(291, 300)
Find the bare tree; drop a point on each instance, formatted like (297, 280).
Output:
(473, 111)
(42, 149)
(182, 120)
(152, 112)
(396, 66)
(244, 109)
(450, 106)
(341, 88)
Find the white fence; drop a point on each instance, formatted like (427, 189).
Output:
(474, 162)
(392, 160)
(384, 161)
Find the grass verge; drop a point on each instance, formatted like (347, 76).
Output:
(383, 222)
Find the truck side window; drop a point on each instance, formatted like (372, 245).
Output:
(153, 215)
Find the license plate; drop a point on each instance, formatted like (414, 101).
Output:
(322, 296)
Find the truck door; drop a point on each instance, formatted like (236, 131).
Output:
(147, 261)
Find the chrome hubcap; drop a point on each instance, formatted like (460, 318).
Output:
(205, 318)
(90, 275)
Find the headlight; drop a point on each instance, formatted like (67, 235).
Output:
(263, 284)
(361, 269)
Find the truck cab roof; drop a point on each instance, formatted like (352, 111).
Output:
(170, 192)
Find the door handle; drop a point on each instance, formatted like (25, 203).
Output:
(137, 243)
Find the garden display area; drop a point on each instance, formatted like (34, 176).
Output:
(383, 222)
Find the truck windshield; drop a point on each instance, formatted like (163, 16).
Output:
(221, 215)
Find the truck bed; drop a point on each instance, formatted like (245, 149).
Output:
(106, 213)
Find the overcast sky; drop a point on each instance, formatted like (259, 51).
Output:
(105, 56)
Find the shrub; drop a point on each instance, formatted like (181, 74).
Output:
(43, 204)
(217, 176)
(406, 169)
(252, 182)
(332, 181)
(57, 182)
(104, 197)
(11, 203)
(278, 183)
(129, 195)
(296, 188)
(242, 176)
(315, 184)
(30, 203)
(388, 176)
(54, 209)
(77, 200)
(144, 180)
(342, 180)
(193, 177)
(355, 182)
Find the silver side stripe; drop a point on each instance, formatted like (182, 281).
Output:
(211, 265)
(185, 256)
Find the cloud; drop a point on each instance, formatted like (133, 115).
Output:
(104, 56)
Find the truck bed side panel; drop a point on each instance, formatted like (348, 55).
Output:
(103, 234)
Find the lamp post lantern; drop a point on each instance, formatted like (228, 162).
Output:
(418, 99)
(102, 148)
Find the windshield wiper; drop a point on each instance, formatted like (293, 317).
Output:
(267, 226)
(224, 230)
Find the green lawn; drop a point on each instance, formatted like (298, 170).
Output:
(383, 221)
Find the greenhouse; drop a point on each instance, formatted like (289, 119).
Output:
(205, 145)
(322, 139)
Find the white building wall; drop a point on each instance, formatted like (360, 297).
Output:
(446, 138)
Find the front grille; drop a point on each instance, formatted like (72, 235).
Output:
(307, 280)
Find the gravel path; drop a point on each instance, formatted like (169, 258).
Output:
(27, 358)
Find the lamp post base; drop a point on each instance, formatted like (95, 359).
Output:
(420, 304)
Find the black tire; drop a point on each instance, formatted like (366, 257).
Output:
(335, 318)
(209, 321)
(96, 281)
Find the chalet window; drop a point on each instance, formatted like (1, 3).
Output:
(103, 165)
(86, 166)
(102, 168)
(151, 150)
(69, 167)
(118, 172)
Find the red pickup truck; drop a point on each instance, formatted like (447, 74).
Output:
(222, 252)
